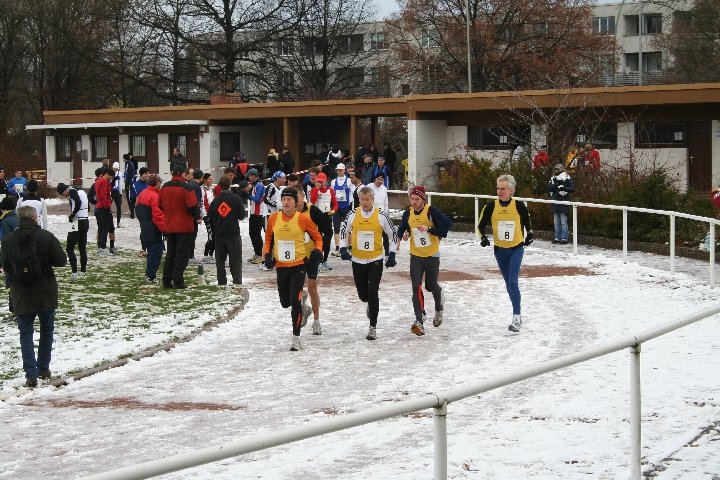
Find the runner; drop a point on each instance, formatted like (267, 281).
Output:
(343, 194)
(324, 225)
(511, 232)
(285, 249)
(424, 225)
(365, 228)
(323, 197)
(79, 226)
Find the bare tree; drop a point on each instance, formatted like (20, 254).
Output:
(694, 43)
(514, 44)
(325, 55)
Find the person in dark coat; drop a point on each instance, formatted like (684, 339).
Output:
(35, 297)
(181, 212)
(226, 212)
(288, 163)
(560, 187)
(177, 160)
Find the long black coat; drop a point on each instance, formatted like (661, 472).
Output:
(43, 294)
(560, 188)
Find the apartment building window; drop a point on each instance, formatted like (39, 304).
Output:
(632, 25)
(229, 144)
(632, 62)
(285, 48)
(377, 41)
(100, 148)
(652, 24)
(430, 38)
(351, 77)
(63, 149)
(652, 62)
(682, 21)
(243, 84)
(286, 80)
(380, 76)
(604, 25)
(137, 147)
(498, 138)
(656, 134)
(350, 44)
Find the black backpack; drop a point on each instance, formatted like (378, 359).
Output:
(91, 194)
(27, 265)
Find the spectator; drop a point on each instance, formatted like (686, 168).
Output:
(381, 167)
(16, 185)
(226, 213)
(33, 289)
(177, 160)
(130, 176)
(117, 188)
(541, 158)
(591, 157)
(151, 226)
(287, 162)
(3, 183)
(272, 164)
(560, 187)
(181, 212)
(32, 198)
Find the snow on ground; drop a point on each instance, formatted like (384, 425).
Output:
(240, 379)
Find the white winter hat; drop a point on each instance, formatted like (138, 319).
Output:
(116, 166)
(340, 166)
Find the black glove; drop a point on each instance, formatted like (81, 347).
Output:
(529, 238)
(71, 218)
(390, 260)
(269, 261)
(484, 242)
(316, 256)
(344, 254)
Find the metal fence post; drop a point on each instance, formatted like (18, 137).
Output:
(477, 217)
(635, 415)
(575, 230)
(712, 255)
(440, 433)
(625, 235)
(672, 244)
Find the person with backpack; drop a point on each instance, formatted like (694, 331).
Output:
(28, 257)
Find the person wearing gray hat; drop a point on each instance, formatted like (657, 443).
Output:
(560, 187)
(79, 226)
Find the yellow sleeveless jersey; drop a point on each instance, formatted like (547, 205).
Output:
(506, 225)
(289, 238)
(422, 244)
(367, 235)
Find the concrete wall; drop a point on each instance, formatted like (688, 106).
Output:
(715, 129)
(426, 146)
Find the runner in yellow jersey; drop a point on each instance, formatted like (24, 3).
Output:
(424, 226)
(286, 250)
(512, 231)
(363, 229)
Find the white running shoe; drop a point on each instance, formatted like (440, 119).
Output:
(372, 334)
(515, 324)
(295, 344)
(306, 309)
(73, 276)
(335, 253)
(263, 268)
(439, 314)
(316, 328)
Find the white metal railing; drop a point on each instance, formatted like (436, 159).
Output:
(673, 215)
(438, 402)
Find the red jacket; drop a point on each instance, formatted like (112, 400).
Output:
(103, 198)
(179, 205)
(149, 214)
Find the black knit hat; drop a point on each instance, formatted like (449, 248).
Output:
(61, 187)
(289, 192)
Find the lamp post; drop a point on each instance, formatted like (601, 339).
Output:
(467, 27)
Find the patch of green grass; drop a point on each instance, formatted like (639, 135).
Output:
(110, 313)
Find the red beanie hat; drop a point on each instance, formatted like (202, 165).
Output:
(419, 190)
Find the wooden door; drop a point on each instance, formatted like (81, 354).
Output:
(700, 156)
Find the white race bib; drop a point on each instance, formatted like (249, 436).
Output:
(286, 251)
(365, 240)
(340, 195)
(421, 239)
(18, 188)
(74, 225)
(506, 230)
